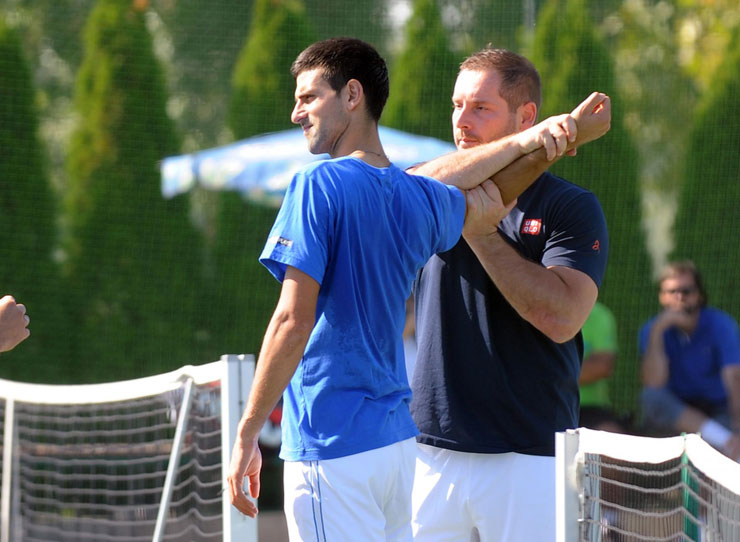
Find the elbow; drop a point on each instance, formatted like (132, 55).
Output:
(652, 378)
(560, 336)
(649, 381)
(558, 330)
(293, 326)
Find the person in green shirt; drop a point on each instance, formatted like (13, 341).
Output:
(599, 358)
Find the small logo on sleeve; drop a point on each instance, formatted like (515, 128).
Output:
(281, 241)
(532, 226)
(596, 246)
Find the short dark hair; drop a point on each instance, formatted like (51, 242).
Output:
(684, 267)
(520, 81)
(342, 59)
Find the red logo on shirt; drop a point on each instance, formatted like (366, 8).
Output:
(596, 246)
(532, 226)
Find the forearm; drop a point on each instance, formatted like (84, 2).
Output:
(283, 346)
(654, 367)
(731, 378)
(539, 295)
(597, 366)
(516, 177)
(509, 163)
(470, 167)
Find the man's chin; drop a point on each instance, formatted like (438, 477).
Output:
(467, 144)
(314, 147)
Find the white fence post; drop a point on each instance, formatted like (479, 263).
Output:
(8, 445)
(566, 487)
(239, 373)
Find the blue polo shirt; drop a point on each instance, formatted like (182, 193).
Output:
(362, 233)
(696, 361)
(486, 380)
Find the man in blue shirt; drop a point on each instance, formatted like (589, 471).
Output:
(346, 244)
(691, 363)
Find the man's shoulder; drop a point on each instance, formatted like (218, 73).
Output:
(648, 324)
(330, 175)
(716, 316)
(320, 168)
(550, 185)
(560, 200)
(424, 180)
(433, 188)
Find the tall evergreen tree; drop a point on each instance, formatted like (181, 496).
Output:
(362, 20)
(132, 257)
(573, 61)
(262, 100)
(707, 212)
(423, 76)
(262, 86)
(497, 23)
(27, 222)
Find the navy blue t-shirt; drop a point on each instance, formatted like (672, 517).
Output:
(486, 380)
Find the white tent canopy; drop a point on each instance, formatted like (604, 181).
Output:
(261, 167)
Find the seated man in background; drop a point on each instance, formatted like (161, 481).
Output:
(599, 359)
(691, 363)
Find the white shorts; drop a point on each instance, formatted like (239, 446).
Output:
(364, 497)
(462, 497)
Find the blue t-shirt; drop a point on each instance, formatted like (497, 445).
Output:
(696, 361)
(362, 233)
(487, 381)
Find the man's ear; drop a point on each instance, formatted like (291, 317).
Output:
(354, 93)
(526, 115)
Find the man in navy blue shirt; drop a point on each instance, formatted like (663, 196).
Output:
(498, 321)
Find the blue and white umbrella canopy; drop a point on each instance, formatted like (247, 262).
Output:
(261, 167)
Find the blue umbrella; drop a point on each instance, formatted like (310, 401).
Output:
(261, 167)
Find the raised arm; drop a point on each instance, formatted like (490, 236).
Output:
(515, 161)
(468, 168)
(654, 369)
(593, 120)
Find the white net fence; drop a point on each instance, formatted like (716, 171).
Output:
(623, 488)
(136, 460)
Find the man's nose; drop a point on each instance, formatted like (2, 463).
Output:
(461, 118)
(297, 114)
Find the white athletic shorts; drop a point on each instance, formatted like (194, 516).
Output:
(466, 497)
(363, 497)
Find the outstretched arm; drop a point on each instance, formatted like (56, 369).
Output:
(282, 349)
(468, 168)
(516, 161)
